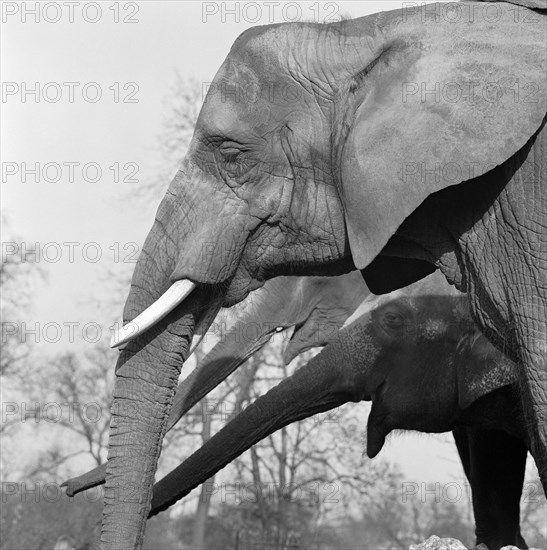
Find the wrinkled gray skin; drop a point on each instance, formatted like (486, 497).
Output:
(316, 306)
(334, 163)
(424, 364)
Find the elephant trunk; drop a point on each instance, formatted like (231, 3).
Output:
(146, 378)
(147, 372)
(324, 383)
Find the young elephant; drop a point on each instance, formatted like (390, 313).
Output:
(417, 354)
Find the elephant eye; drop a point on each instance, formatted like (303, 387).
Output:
(393, 320)
(230, 154)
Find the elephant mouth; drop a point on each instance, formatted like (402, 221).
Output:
(211, 298)
(368, 393)
(238, 288)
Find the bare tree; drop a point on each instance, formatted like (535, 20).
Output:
(18, 272)
(79, 387)
(284, 484)
(241, 391)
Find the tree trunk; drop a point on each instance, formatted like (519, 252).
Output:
(204, 503)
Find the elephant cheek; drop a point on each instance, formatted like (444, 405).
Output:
(211, 254)
(206, 229)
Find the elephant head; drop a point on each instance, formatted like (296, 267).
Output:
(416, 353)
(305, 161)
(316, 306)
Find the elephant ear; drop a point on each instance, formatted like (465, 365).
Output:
(481, 368)
(432, 102)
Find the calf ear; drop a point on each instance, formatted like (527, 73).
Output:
(431, 102)
(481, 368)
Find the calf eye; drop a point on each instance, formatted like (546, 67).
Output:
(393, 320)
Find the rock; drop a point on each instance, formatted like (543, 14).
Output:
(436, 543)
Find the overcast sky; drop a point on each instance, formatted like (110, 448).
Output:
(189, 37)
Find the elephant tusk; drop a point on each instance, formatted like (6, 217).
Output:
(204, 323)
(196, 341)
(168, 301)
(200, 332)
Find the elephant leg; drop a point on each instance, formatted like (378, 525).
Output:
(525, 335)
(534, 399)
(494, 463)
(505, 258)
(527, 311)
(529, 306)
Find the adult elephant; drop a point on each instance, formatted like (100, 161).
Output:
(316, 307)
(424, 364)
(342, 159)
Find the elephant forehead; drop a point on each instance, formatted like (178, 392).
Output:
(372, 303)
(234, 95)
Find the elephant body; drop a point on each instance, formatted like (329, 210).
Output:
(421, 360)
(358, 167)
